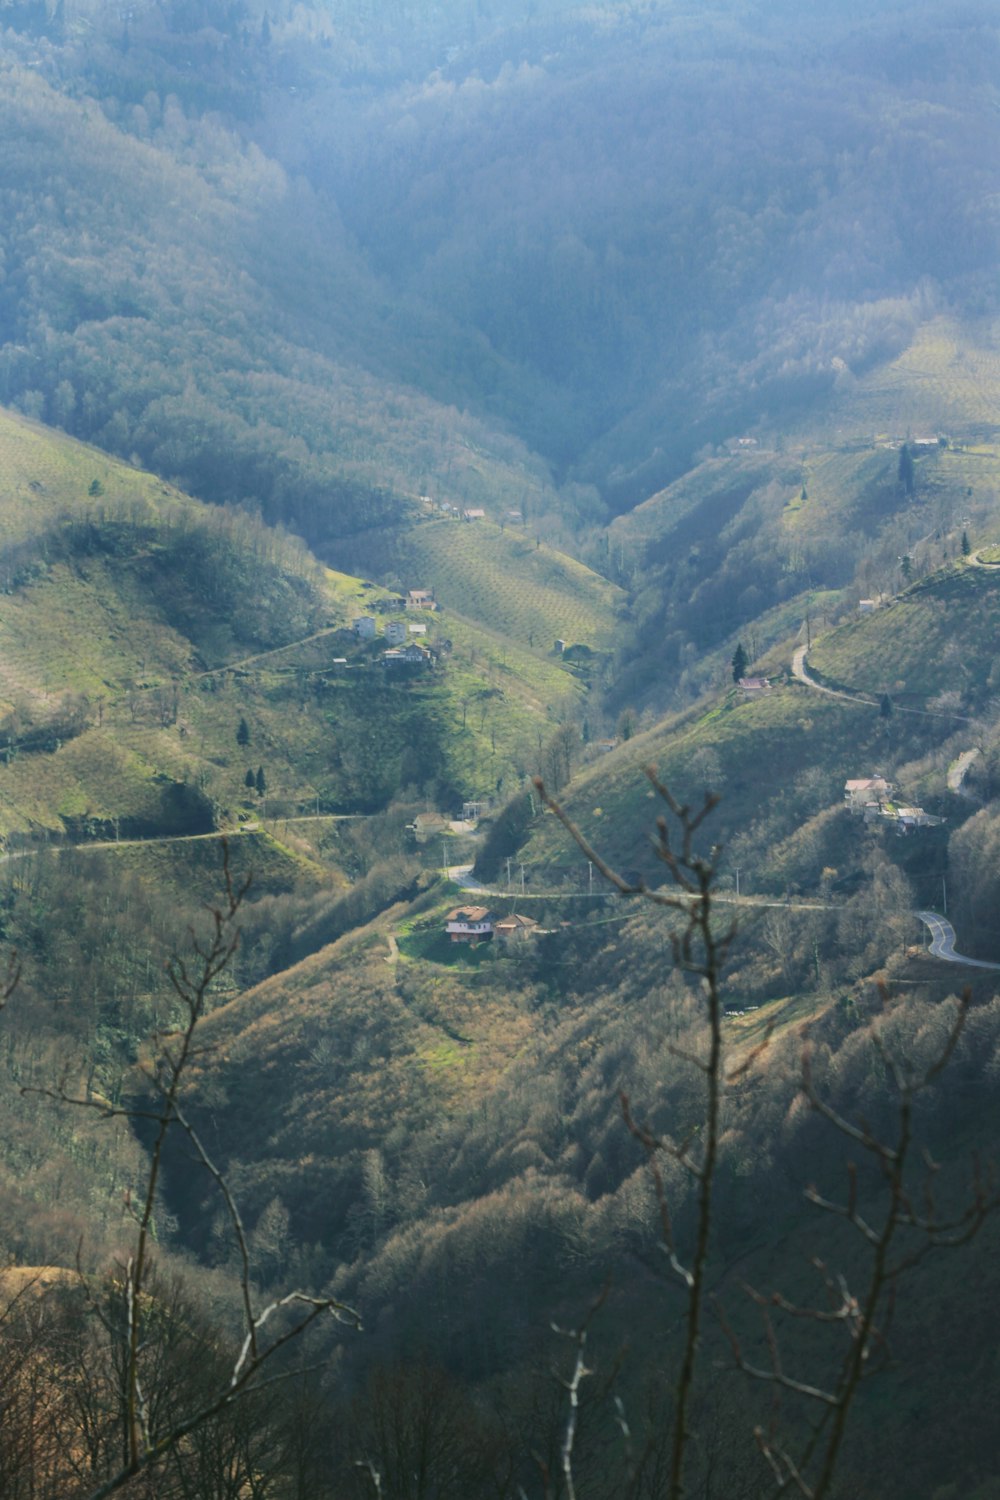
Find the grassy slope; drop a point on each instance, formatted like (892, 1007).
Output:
(753, 751)
(946, 381)
(502, 579)
(116, 635)
(935, 637)
(699, 502)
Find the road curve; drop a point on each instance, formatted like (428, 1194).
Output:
(943, 942)
(799, 672)
(868, 700)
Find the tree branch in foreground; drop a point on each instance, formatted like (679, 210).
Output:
(192, 980)
(700, 950)
(900, 1238)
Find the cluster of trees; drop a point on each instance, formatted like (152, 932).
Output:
(463, 1231)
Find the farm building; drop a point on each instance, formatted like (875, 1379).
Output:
(514, 929)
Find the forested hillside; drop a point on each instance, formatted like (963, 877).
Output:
(423, 427)
(289, 277)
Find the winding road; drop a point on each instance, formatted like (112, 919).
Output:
(801, 674)
(943, 942)
(941, 930)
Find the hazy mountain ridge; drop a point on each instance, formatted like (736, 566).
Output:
(606, 246)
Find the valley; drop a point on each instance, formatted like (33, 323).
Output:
(499, 748)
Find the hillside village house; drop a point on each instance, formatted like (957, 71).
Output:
(428, 825)
(407, 656)
(420, 599)
(395, 632)
(906, 818)
(364, 627)
(751, 687)
(470, 924)
(514, 929)
(869, 790)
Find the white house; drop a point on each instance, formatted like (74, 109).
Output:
(420, 599)
(407, 656)
(469, 924)
(395, 632)
(364, 627)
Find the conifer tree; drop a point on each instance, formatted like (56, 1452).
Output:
(740, 662)
(905, 471)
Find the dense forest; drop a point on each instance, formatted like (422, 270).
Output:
(634, 368)
(286, 277)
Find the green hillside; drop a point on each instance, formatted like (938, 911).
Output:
(946, 380)
(698, 306)
(935, 638)
(501, 577)
(775, 762)
(154, 652)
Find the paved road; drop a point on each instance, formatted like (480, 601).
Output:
(461, 875)
(943, 942)
(800, 672)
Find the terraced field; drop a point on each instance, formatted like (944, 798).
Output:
(708, 495)
(112, 715)
(502, 580)
(944, 382)
(45, 477)
(937, 637)
(843, 490)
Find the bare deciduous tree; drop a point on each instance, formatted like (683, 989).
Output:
(903, 1225)
(133, 1320)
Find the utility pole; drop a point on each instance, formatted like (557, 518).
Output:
(508, 872)
(522, 880)
(590, 871)
(737, 882)
(944, 896)
(444, 859)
